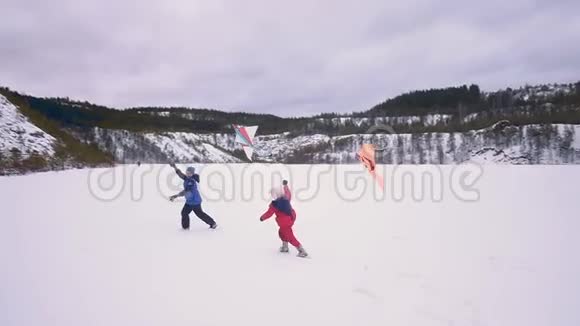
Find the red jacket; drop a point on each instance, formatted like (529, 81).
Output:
(283, 219)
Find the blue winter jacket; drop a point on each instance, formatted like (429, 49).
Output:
(190, 189)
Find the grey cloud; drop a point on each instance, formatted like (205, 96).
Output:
(288, 58)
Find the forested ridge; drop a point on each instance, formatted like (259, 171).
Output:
(88, 134)
(550, 103)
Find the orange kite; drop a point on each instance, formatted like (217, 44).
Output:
(366, 156)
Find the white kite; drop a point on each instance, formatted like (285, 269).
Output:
(245, 137)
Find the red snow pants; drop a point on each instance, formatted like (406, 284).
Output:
(287, 235)
(285, 223)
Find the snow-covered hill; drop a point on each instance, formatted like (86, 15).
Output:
(131, 147)
(312, 141)
(393, 121)
(506, 257)
(502, 143)
(532, 144)
(18, 134)
(543, 92)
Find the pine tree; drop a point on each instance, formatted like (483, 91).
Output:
(474, 93)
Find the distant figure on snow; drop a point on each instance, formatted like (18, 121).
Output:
(285, 217)
(192, 198)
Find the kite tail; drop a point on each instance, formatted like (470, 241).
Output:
(379, 179)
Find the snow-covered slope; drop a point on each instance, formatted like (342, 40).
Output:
(508, 258)
(16, 132)
(393, 121)
(502, 143)
(130, 147)
(531, 144)
(274, 148)
(543, 92)
(549, 144)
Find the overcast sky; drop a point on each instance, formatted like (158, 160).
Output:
(284, 57)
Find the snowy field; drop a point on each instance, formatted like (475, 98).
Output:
(498, 250)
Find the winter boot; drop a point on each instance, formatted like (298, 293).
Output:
(301, 252)
(284, 247)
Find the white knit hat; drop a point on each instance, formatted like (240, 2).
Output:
(277, 192)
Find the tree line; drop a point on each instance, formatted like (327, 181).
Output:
(458, 102)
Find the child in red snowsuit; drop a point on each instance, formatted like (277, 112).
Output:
(285, 217)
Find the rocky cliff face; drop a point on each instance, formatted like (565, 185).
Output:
(533, 144)
(63, 133)
(163, 147)
(502, 143)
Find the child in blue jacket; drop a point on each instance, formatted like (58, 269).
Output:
(192, 198)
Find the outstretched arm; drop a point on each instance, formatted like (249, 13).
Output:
(178, 171)
(180, 194)
(268, 213)
(287, 192)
